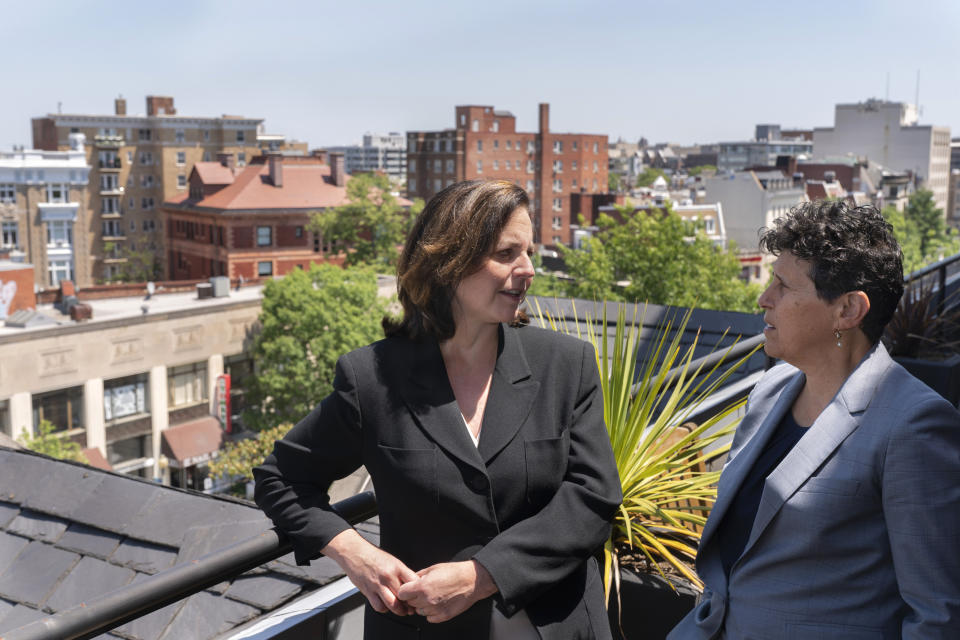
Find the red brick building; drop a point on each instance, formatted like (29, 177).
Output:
(485, 144)
(252, 221)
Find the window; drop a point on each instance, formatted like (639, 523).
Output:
(476, 125)
(109, 204)
(264, 236)
(529, 166)
(449, 166)
(181, 158)
(557, 186)
(509, 145)
(496, 165)
(8, 193)
(265, 268)
(181, 181)
(594, 147)
(574, 145)
(57, 192)
(108, 182)
(437, 166)
(557, 146)
(64, 408)
(557, 204)
(58, 271)
(206, 135)
(557, 220)
(437, 184)
(496, 144)
(5, 418)
(298, 232)
(529, 186)
(709, 225)
(594, 184)
(529, 146)
(149, 225)
(9, 230)
(479, 145)
(187, 385)
(179, 136)
(556, 240)
(479, 166)
(496, 127)
(129, 157)
(573, 165)
(146, 180)
(146, 203)
(107, 160)
(573, 183)
(206, 156)
(125, 397)
(146, 158)
(595, 166)
(241, 136)
(59, 233)
(111, 229)
(144, 135)
(558, 166)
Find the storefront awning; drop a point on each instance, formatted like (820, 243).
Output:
(96, 459)
(192, 443)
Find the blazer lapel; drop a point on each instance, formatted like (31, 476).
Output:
(837, 421)
(429, 397)
(736, 472)
(511, 396)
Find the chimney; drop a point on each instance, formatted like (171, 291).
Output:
(275, 161)
(226, 159)
(120, 106)
(160, 105)
(337, 170)
(544, 118)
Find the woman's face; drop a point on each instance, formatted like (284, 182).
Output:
(800, 325)
(493, 293)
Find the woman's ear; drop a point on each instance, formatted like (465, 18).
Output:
(854, 307)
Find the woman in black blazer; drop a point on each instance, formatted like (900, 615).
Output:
(484, 438)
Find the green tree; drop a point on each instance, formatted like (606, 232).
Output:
(370, 225)
(660, 259)
(921, 231)
(613, 182)
(238, 459)
(308, 319)
(649, 174)
(50, 444)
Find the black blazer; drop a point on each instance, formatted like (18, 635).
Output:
(532, 503)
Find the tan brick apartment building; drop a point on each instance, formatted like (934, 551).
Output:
(252, 222)
(137, 162)
(486, 144)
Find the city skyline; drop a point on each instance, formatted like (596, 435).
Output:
(326, 73)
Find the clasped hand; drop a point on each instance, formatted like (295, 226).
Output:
(439, 592)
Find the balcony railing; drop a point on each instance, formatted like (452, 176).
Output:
(110, 164)
(108, 142)
(122, 605)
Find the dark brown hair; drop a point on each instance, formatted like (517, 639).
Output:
(449, 240)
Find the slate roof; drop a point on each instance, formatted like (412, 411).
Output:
(70, 532)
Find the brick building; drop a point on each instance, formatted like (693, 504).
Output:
(252, 222)
(485, 144)
(137, 162)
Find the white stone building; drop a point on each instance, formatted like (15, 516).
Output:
(386, 153)
(888, 133)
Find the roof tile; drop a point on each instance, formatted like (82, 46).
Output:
(19, 616)
(7, 512)
(113, 503)
(168, 515)
(65, 486)
(35, 573)
(10, 548)
(199, 541)
(143, 556)
(264, 591)
(205, 616)
(89, 541)
(150, 626)
(38, 526)
(88, 579)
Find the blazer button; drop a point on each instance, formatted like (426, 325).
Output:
(478, 483)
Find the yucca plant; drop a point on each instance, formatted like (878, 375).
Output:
(667, 493)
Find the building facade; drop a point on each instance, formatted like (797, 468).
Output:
(137, 162)
(378, 154)
(485, 144)
(887, 133)
(253, 222)
(44, 214)
(131, 383)
(736, 156)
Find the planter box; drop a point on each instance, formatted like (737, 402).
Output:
(651, 608)
(943, 376)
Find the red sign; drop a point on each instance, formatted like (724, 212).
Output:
(223, 401)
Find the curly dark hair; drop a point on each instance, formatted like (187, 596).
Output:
(849, 249)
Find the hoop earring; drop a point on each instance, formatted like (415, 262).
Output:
(838, 336)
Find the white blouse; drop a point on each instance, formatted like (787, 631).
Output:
(517, 627)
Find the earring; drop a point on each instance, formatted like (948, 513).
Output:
(838, 336)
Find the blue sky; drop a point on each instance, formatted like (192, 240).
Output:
(326, 72)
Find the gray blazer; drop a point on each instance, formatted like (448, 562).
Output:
(857, 534)
(532, 503)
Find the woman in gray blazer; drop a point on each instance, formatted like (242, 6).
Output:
(838, 511)
(484, 438)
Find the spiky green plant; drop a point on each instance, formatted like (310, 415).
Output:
(666, 494)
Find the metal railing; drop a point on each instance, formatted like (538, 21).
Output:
(939, 275)
(90, 619)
